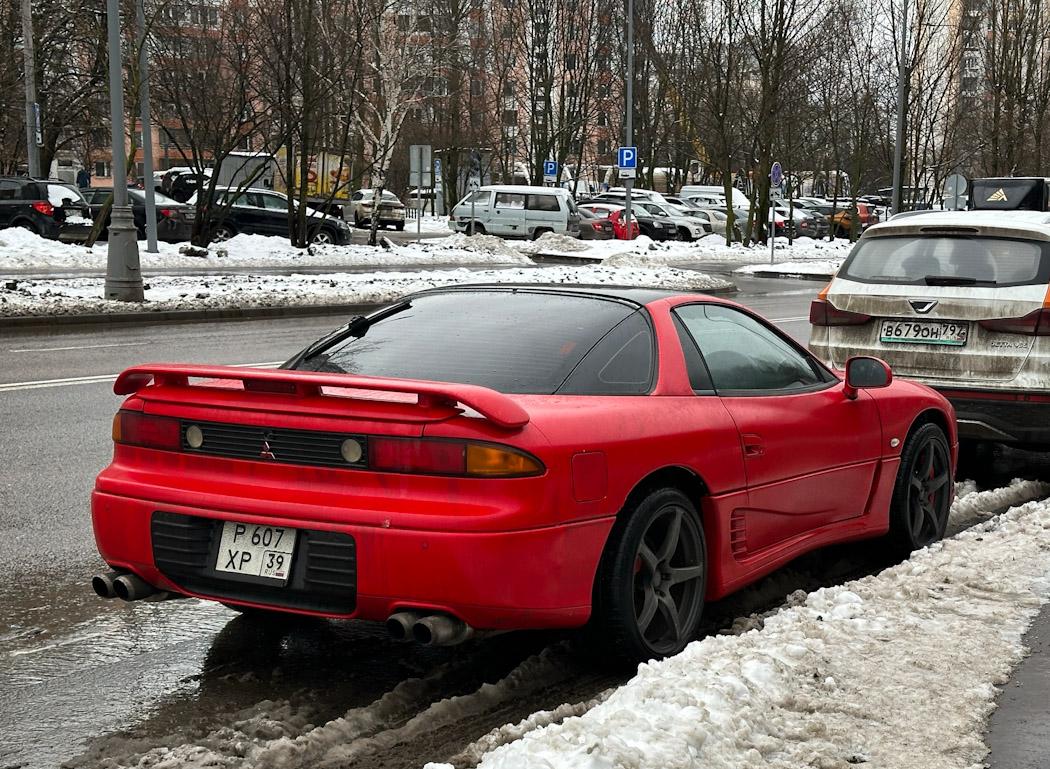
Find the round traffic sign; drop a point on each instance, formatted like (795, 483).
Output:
(776, 174)
(955, 185)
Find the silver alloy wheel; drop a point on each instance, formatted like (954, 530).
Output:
(669, 579)
(323, 236)
(223, 233)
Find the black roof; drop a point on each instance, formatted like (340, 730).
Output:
(637, 295)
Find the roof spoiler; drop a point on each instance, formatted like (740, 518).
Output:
(496, 407)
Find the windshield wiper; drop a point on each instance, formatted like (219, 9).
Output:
(953, 280)
(357, 326)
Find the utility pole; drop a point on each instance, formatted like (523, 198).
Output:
(29, 61)
(147, 134)
(123, 276)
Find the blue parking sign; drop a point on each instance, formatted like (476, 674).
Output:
(550, 167)
(627, 157)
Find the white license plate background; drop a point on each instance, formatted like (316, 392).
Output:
(924, 332)
(254, 550)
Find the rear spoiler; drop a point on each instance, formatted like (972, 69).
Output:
(498, 408)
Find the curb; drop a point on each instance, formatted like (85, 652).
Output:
(783, 274)
(147, 317)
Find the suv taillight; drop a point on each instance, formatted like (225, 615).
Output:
(1036, 323)
(824, 313)
(44, 207)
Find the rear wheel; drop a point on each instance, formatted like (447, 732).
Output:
(26, 224)
(223, 233)
(539, 233)
(684, 234)
(653, 577)
(399, 226)
(479, 229)
(324, 236)
(922, 491)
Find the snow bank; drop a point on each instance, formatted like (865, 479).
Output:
(897, 669)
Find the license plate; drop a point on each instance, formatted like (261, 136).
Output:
(257, 551)
(924, 332)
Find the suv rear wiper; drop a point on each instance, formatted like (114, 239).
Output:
(356, 326)
(954, 280)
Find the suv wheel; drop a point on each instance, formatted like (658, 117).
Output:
(324, 236)
(27, 224)
(223, 233)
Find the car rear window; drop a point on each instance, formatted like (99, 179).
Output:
(510, 341)
(945, 259)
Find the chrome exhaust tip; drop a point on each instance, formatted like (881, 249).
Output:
(442, 630)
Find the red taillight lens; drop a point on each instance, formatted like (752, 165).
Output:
(136, 429)
(824, 313)
(170, 213)
(44, 207)
(450, 457)
(597, 226)
(1035, 323)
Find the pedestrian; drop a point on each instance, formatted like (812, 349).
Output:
(83, 178)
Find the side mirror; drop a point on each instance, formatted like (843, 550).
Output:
(863, 372)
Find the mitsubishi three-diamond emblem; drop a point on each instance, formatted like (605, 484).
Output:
(266, 453)
(922, 306)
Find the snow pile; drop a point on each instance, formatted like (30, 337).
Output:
(554, 243)
(227, 292)
(897, 669)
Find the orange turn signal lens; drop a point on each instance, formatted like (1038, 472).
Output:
(488, 461)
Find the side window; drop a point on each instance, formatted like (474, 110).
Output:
(274, 203)
(510, 200)
(744, 355)
(620, 364)
(542, 203)
(699, 378)
(357, 196)
(10, 189)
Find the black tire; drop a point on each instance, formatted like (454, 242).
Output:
(399, 226)
(223, 233)
(324, 235)
(26, 224)
(684, 234)
(539, 233)
(652, 579)
(479, 229)
(922, 492)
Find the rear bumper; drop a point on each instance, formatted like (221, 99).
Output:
(532, 578)
(1019, 418)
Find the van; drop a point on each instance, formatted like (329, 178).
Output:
(717, 191)
(517, 211)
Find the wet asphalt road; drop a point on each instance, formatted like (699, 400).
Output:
(88, 682)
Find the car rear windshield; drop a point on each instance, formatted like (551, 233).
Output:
(948, 260)
(510, 341)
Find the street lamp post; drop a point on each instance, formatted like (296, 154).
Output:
(147, 134)
(629, 182)
(123, 276)
(29, 63)
(902, 79)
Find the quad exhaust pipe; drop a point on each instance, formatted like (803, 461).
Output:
(430, 629)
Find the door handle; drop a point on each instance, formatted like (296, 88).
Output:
(754, 446)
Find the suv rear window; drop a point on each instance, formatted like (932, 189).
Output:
(948, 260)
(510, 341)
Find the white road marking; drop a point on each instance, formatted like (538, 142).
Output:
(96, 379)
(82, 347)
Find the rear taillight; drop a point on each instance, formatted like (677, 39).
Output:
(824, 313)
(597, 225)
(1035, 323)
(44, 207)
(450, 457)
(170, 213)
(136, 429)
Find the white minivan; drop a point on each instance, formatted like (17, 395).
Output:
(517, 211)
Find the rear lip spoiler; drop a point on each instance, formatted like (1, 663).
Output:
(498, 408)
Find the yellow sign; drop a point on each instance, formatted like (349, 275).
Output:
(999, 196)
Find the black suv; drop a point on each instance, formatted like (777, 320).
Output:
(52, 209)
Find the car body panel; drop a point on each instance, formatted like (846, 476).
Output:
(498, 553)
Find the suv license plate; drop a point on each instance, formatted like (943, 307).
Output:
(924, 332)
(256, 551)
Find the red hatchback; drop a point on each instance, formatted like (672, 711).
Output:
(500, 457)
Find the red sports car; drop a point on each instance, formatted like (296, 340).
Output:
(499, 457)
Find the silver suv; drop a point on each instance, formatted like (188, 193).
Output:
(959, 301)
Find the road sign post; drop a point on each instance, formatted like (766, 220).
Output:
(776, 178)
(550, 171)
(627, 160)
